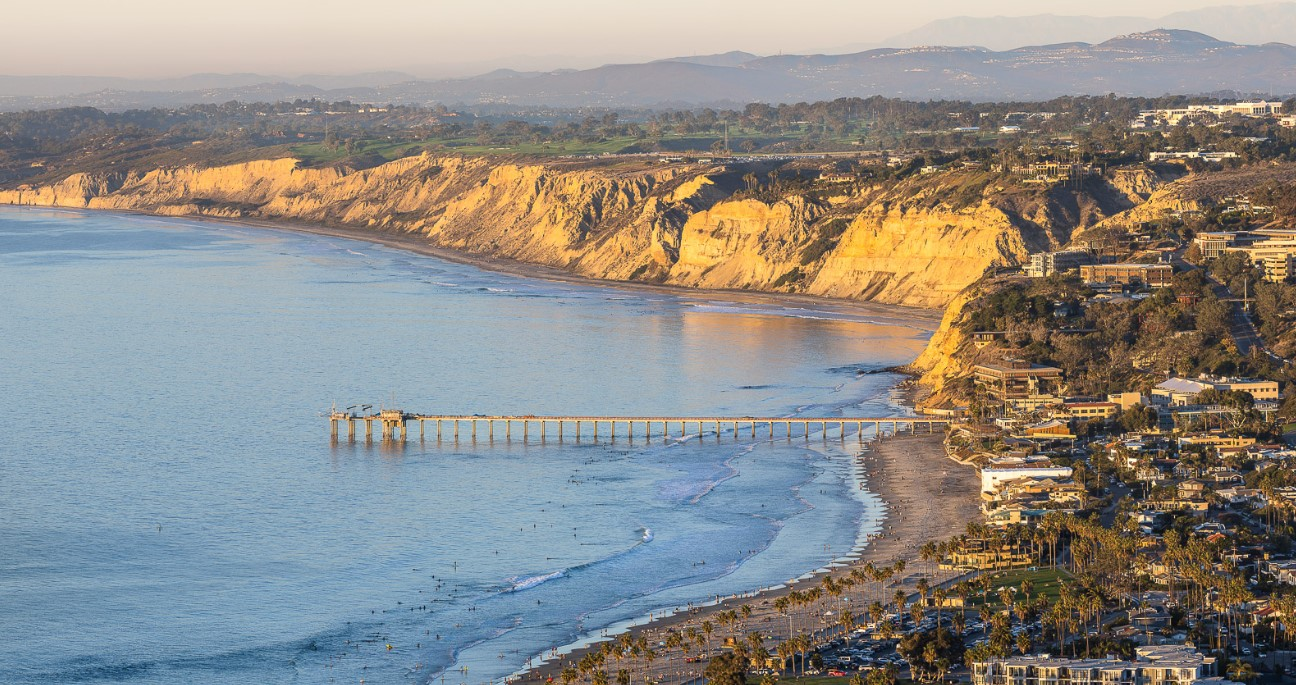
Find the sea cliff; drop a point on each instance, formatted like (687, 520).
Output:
(916, 242)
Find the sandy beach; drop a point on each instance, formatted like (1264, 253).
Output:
(929, 497)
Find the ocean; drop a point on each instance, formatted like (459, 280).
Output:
(173, 511)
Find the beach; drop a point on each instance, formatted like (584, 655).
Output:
(788, 359)
(419, 244)
(928, 496)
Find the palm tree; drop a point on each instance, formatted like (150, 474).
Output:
(1286, 606)
(963, 590)
(875, 612)
(783, 605)
(785, 651)
(756, 648)
(802, 646)
(727, 619)
(938, 596)
(1241, 671)
(886, 630)
(847, 620)
(928, 553)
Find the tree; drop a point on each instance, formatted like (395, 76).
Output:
(1241, 671)
(887, 630)
(881, 676)
(726, 668)
(847, 620)
(1023, 642)
(930, 653)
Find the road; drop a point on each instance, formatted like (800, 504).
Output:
(1243, 332)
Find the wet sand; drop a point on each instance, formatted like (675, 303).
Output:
(929, 497)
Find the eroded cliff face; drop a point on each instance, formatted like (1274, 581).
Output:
(924, 257)
(900, 243)
(940, 361)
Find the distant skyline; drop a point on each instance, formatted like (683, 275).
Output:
(430, 38)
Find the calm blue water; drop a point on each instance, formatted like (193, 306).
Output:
(171, 510)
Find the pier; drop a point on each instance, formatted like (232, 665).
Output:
(395, 425)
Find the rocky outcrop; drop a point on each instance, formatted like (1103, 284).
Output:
(917, 242)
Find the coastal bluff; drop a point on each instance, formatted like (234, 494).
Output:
(917, 241)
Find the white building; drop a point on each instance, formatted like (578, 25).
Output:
(1044, 264)
(1175, 116)
(1215, 157)
(1006, 469)
(1179, 392)
(1158, 665)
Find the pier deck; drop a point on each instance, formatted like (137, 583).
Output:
(394, 424)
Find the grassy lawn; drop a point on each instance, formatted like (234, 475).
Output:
(827, 680)
(317, 153)
(672, 143)
(1046, 582)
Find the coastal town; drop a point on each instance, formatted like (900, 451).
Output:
(1088, 478)
(1124, 432)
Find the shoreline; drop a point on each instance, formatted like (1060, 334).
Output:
(897, 470)
(926, 496)
(916, 317)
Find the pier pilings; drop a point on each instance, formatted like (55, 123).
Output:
(393, 426)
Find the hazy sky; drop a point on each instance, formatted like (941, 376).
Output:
(426, 37)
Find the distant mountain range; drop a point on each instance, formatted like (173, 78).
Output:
(1248, 24)
(1150, 63)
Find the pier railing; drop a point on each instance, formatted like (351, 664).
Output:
(394, 425)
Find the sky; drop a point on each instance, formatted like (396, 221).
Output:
(166, 38)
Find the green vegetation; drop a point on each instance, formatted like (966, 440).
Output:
(931, 653)
(868, 679)
(1109, 347)
(726, 668)
(830, 234)
(902, 137)
(792, 277)
(1043, 583)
